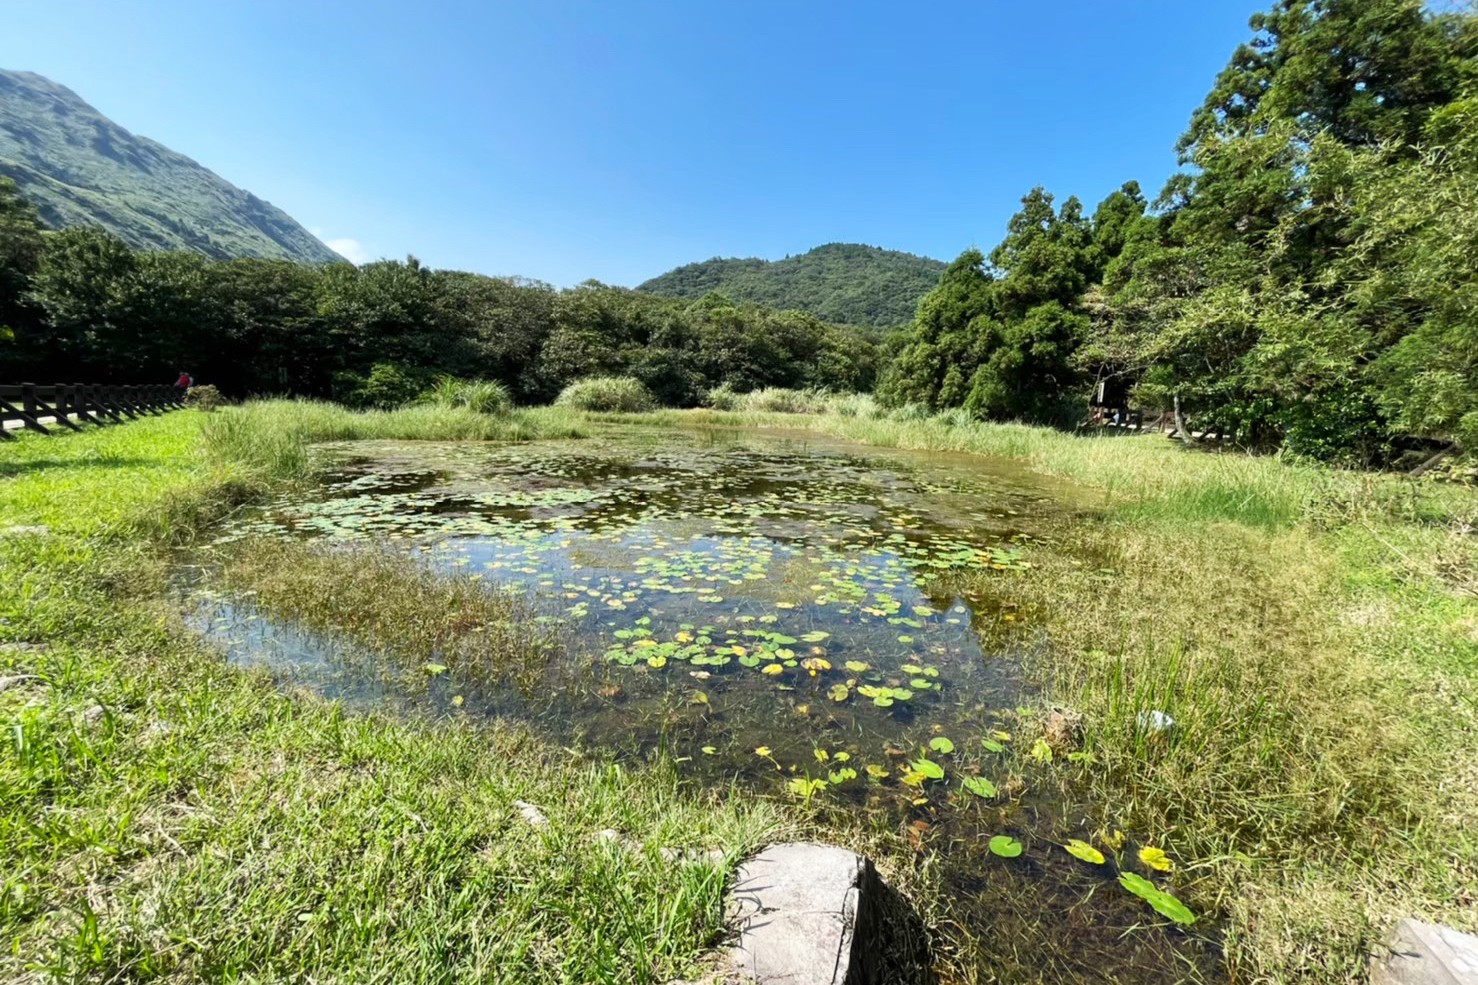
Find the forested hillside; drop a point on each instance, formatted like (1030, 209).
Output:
(1306, 281)
(79, 304)
(80, 168)
(839, 282)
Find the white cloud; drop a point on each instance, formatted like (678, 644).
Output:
(349, 249)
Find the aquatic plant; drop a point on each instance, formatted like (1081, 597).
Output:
(1163, 903)
(1005, 846)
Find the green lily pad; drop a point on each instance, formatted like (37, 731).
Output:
(1162, 902)
(1005, 846)
(979, 786)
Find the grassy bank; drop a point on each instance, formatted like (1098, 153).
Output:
(1313, 633)
(272, 437)
(164, 815)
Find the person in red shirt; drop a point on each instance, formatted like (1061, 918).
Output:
(185, 382)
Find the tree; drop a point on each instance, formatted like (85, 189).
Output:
(20, 254)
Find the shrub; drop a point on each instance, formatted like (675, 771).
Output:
(204, 397)
(385, 387)
(723, 397)
(483, 396)
(607, 394)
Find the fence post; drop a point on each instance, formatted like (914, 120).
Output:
(30, 409)
(60, 400)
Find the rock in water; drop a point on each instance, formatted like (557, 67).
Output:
(1427, 954)
(811, 914)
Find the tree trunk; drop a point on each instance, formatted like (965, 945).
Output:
(1423, 467)
(1180, 426)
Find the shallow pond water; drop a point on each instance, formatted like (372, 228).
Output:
(772, 609)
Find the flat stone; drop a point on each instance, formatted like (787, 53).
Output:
(1427, 954)
(808, 914)
(23, 530)
(531, 814)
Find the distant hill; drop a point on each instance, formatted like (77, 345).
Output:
(840, 282)
(78, 167)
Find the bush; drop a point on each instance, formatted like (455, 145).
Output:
(387, 386)
(779, 400)
(723, 397)
(205, 397)
(483, 396)
(607, 394)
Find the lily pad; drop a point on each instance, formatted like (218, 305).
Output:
(979, 786)
(1083, 850)
(1005, 846)
(928, 767)
(941, 745)
(1163, 903)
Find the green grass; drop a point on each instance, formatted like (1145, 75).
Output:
(164, 815)
(1314, 633)
(272, 437)
(607, 394)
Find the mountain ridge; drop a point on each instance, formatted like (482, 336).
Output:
(78, 167)
(847, 283)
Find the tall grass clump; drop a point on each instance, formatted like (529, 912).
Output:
(858, 405)
(782, 400)
(607, 394)
(723, 397)
(482, 396)
(273, 436)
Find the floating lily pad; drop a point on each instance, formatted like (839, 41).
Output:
(1083, 850)
(1005, 846)
(1163, 903)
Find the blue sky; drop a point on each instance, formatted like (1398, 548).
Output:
(615, 140)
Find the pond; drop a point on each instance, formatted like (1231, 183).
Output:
(773, 609)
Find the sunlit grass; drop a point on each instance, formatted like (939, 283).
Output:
(165, 816)
(1314, 635)
(272, 437)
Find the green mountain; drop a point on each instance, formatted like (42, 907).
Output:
(841, 282)
(80, 168)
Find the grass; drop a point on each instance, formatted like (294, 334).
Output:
(606, 394)
(272, 437)
(1313, 633)
(164, 815)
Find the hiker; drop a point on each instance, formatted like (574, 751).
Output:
(185, 382)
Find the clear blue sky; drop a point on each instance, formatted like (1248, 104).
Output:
(616, 140)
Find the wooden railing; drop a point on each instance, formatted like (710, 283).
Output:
(70, 405)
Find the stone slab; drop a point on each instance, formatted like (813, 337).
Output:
(1427, 954)
(797, 909)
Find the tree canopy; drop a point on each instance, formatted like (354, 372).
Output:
(1306, 281)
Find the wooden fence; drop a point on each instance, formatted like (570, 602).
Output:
(70, 405)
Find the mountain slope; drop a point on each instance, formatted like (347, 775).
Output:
(78, 167)
(840, 282)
